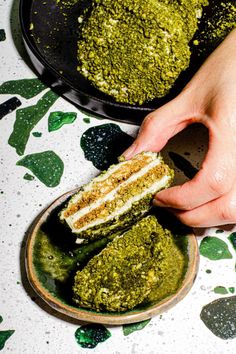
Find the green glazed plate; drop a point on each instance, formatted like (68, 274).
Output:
(51, 261)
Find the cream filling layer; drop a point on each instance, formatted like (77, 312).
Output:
(160, 184)
(155, 187)
(105, 176)
(110, 196)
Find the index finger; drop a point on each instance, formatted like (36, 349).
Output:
(215, 178)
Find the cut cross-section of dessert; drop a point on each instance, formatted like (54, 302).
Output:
(117, 198)
(123, 274)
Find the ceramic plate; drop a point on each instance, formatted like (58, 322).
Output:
(51, 272)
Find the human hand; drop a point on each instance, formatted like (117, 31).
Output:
(209, 199)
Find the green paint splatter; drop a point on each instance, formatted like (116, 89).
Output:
(1, 319)
(220, 290)
(219, 317)
(26, 88)
(57, 119)
(132, 327)
(184, 165)
(86, 120)
(37, 134)
(208, 271)
(232, 238)
(214, 248)
(27, 118)
(219, 231)
(46, 166)
(4, 335)
(104, 143)
(2, 35)
(88, 336)
(28, 177)
(232, 290)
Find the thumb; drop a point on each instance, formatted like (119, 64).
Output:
(161, 125)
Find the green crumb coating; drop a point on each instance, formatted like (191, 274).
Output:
(135, 50)
(123, 274)
(177, 259)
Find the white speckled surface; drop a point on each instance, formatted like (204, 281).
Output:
(37, 328)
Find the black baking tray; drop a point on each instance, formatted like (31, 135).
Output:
(50, 36)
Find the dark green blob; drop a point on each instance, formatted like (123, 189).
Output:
(26, 88)
(219, 317)
(46, 166)
(90, 335)
(2, 35)
(183, 164)
(37, 134)
(28, 177)
(232, 290)
(104, 143)
(1, 319)
(219, 231)
(214, 248)
(132, 327)
(86, 120)
(4, 335)
(220, 290)
(57, 119)
(208, 271)
(26, 120)
(232, 238)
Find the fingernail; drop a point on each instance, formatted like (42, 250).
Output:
(130, 151)
(157, 202)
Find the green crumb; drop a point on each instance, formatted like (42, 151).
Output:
(57, 119)
(28, 177)
(26, 120)
(26, 88)
(232, 290)
(1, 319)
(86, 120)
(219, 317)
(4, 335)
(214, 248)
(149, 37)
(208, 271)
(2, 35)
(46, 166)
(220, 290)
(232, 239)
(90, 335)
(37, 134)
(133, 327)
